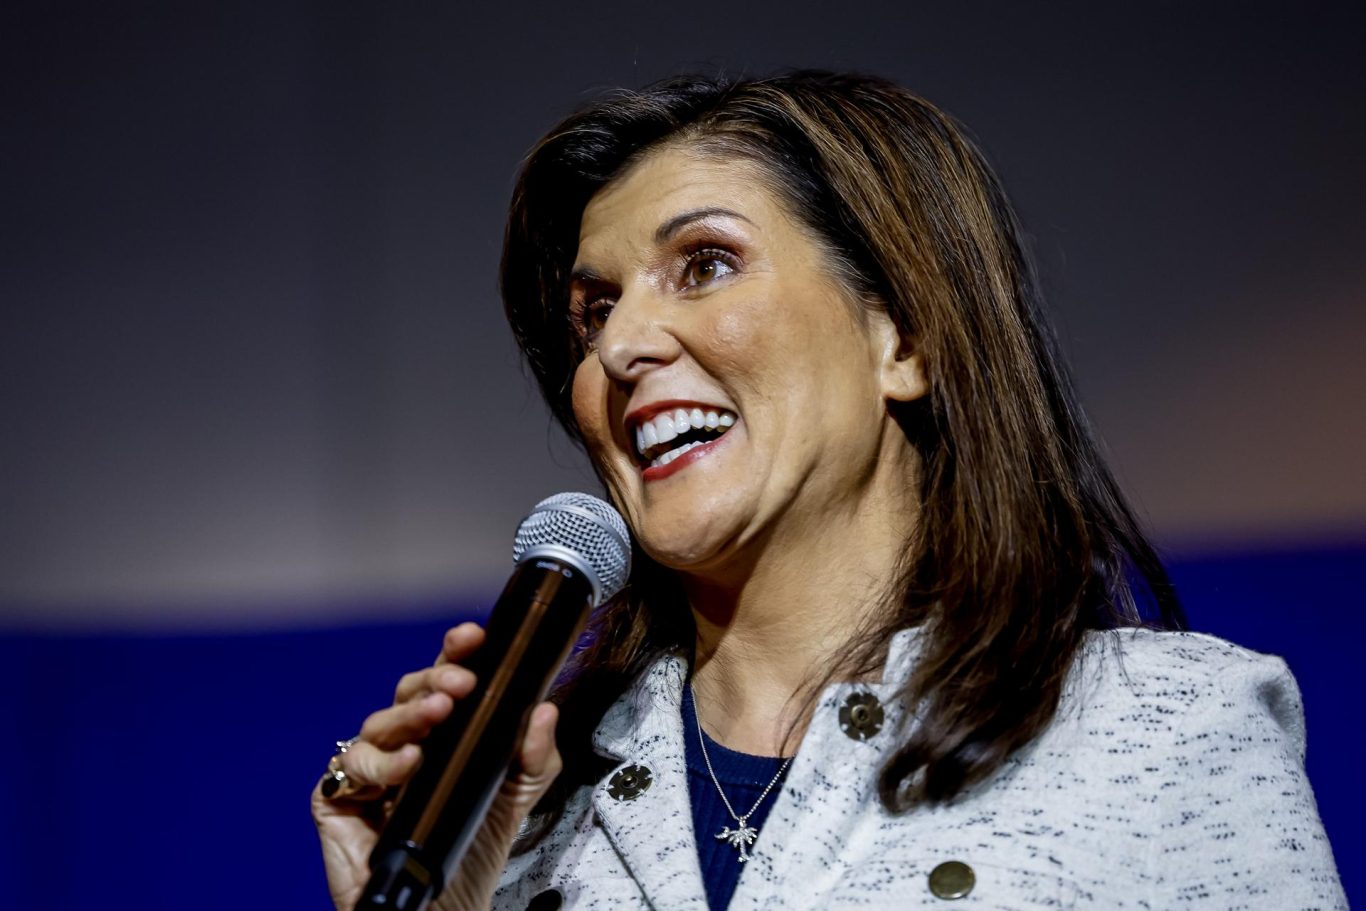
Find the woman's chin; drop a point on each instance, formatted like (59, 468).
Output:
(695, 553)
(681, 556)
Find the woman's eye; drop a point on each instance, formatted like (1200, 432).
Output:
(593, 317)
(706, 266)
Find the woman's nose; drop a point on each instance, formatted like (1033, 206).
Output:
(638, 337)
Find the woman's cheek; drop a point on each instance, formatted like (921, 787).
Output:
(589, 399)
(590, 396)
(737, 327)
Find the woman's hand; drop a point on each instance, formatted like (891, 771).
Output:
(387, 754)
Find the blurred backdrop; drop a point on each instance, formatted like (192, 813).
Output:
(264, 433)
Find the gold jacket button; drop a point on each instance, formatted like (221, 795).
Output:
(952, 879)
(861, 716)
(630, 782)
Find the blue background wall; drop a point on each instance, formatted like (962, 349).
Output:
(174, 771)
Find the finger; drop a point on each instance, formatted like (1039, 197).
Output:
(460, 642)
(538, 758)
(451, 679)
(408, 722)
(368, 765)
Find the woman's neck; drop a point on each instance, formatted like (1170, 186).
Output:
(766, 634)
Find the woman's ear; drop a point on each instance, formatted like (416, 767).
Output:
(902, 368)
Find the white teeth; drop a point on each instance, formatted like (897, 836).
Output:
(664, 426)
(672, 454)
(669, 425)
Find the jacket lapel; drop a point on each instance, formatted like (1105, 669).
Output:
(652, 831)
(817, 813)
(826, 799)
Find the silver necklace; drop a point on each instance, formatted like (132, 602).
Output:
(743, 835)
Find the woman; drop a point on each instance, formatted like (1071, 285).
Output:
(893, 636)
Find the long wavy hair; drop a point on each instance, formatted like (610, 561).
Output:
(1023, 539)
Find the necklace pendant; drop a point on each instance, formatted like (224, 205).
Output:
(742, 836)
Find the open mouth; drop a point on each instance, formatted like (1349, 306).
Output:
(676, 432)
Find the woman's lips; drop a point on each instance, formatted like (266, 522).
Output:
(660, 472)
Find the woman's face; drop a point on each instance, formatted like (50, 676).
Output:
(733, 395)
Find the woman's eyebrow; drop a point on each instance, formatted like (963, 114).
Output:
(679, 222)
(585, 275)
(588, 275)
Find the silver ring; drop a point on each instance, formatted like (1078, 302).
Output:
(336, 784)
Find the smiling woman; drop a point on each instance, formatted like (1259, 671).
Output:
(735, 311)
(893, 635)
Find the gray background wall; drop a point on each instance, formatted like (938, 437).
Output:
(253, 368)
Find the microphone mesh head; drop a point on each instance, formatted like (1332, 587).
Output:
(582, 526)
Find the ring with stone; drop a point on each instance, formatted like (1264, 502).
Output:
(337, 785)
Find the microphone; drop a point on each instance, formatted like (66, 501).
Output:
(570, 554)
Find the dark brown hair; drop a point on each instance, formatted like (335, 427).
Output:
(1023, 540)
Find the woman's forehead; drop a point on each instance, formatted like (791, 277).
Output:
(637, 205)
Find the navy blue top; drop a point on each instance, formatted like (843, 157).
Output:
(744, 778)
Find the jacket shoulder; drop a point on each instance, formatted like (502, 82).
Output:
(1173, 656)
(1196, 655)
(1179, 679)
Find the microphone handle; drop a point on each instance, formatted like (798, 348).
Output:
(465, 758)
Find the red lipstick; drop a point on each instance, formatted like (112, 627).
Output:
(695, 454)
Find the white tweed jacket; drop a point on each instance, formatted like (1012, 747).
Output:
(1172, 777)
